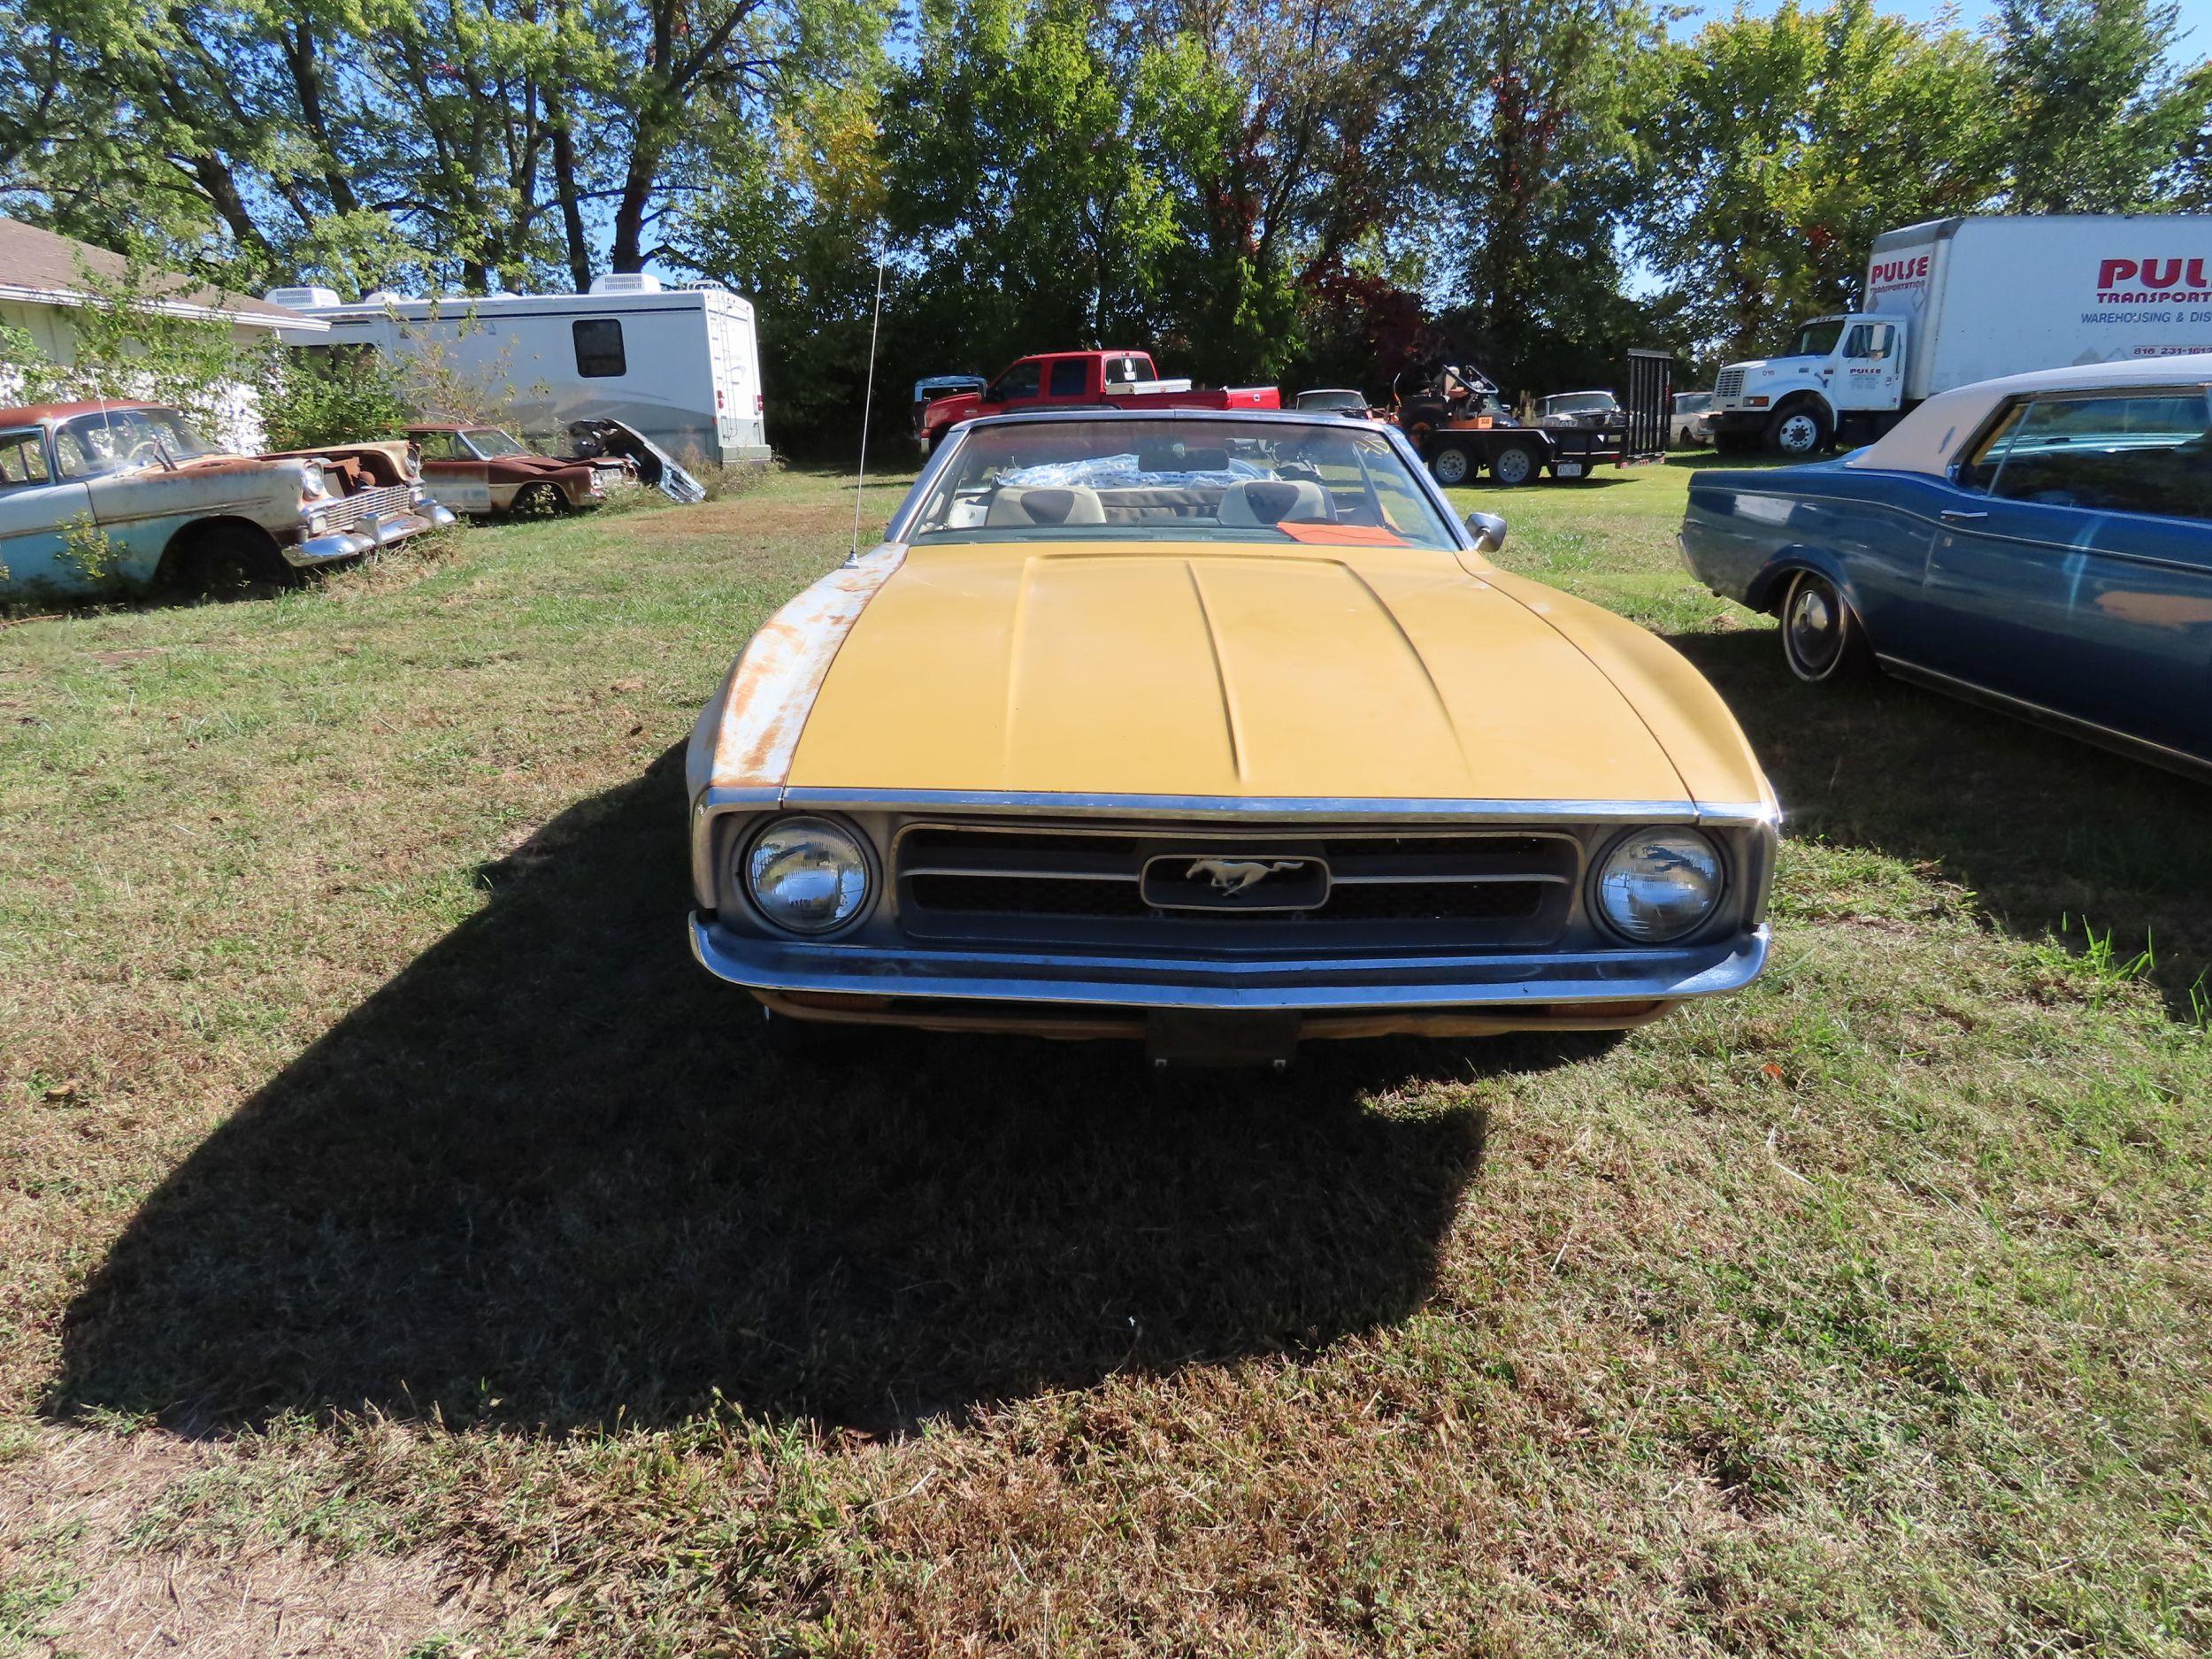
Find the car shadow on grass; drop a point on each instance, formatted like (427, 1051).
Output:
(552, 1177)
(2057, 837)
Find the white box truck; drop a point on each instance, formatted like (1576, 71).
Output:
(1959, 300)
(679, 365)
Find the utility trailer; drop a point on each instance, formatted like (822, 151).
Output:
(1463, 430)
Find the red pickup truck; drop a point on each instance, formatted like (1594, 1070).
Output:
(1122, 380)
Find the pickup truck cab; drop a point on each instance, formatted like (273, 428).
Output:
(1116, 379)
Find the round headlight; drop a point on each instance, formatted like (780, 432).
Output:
(807, 875)
(313, 484)
(1658, 884)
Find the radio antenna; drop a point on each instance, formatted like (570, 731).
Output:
(868, 399)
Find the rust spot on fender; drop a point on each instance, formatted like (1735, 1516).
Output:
(781, 672)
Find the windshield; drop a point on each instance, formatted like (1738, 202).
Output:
(491, 443)
(1693, 402)
(1178, 480)
(111, 440)
(1817, 339)
(1579, 404)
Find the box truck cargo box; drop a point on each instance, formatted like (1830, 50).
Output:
(1959, 300)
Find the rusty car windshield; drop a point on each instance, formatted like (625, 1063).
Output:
(492, 444)
(1237, 480)
(116, 440)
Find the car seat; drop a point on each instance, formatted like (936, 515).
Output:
(1272, 500)
(1076, 504)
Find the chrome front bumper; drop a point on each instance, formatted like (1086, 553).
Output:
(1257, 984)
(369, 536)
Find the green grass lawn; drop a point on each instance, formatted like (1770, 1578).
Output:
(409, 1252)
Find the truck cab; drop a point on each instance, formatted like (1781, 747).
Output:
(1842, 375)
(1119, 380)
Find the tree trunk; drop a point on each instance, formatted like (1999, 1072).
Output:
(564, 190)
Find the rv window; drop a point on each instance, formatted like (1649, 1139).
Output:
(599, 349)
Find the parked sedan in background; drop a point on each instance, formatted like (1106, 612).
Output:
(1581, 412)
(109, 497)
(2043, 543)
(1689, 423)
(1220, 730)
(485, 470)
(1342, 400)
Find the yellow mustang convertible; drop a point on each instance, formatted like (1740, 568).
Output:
(1218, 729)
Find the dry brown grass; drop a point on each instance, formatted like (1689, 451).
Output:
(404, 1238)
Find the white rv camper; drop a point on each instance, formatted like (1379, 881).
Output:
(680, 365)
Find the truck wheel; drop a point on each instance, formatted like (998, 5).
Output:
(232, 562)
(1821, 638)
(1514, 464)
(1797, 432)
(1452, 464)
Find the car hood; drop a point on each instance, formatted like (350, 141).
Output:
(1220, 670)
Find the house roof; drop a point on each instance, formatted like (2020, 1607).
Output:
(40, 268)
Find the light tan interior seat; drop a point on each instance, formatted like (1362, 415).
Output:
(1046, 504)
(1265, 500)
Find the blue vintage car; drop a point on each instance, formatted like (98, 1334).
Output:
(2042, 543)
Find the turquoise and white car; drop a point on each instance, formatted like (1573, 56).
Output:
(108, 498)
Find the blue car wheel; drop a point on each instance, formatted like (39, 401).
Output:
(1821, 638)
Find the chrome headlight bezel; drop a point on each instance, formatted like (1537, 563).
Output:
(1602, 869)
(314, 482)
(744, 872)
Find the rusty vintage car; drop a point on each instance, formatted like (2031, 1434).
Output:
(487, 470)
(108, 497)
(1221, 731)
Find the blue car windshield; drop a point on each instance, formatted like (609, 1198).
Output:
(1173, 481)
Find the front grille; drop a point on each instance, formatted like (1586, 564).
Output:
(1729, 384)
(347, 511)
(1381, 889)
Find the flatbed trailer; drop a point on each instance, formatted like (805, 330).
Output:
(1460, 443)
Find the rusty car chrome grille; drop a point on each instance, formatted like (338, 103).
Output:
(1240, 887)
(347, 511)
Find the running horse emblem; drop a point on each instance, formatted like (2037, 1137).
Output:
(1235, 875)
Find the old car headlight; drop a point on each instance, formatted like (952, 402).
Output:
(807, 875)
(1658, 884)
(313, 483)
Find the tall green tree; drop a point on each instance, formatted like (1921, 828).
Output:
(1281, 131)
(1023, 213)
(2089, 116)
(1789, 141)
(1540, 117)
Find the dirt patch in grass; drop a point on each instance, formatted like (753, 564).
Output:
(233, 1573)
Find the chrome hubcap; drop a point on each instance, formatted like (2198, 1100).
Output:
(1815, 626)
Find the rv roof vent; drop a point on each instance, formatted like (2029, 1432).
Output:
(382, 297)
(301, 299)
(708, 285)
(626, 282)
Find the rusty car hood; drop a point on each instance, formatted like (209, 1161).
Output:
(1221, 669)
